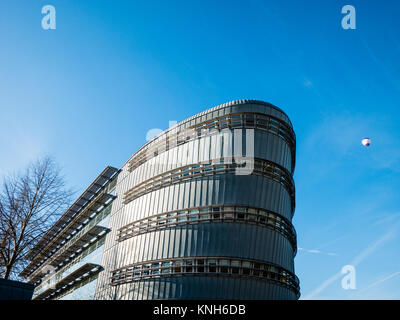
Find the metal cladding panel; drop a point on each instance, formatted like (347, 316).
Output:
(211, 239)
(248, 190)
(267, 146)
(242, 105)
(203, 287)
(231, 240)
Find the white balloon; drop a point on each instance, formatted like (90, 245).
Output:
(366, 142)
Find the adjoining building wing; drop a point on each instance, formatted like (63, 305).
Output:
(72, 248)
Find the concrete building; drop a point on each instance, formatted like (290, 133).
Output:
(202, 211)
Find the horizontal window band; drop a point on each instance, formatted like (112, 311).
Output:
(69, 263)
(267, 277)
(71, 279)
(206, 266)
(214, 214)
(242, 120)
(261, 167)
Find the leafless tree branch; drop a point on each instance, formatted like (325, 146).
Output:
(30, 203)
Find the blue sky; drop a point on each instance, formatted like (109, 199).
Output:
(88, 92)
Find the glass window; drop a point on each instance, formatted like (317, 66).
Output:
(224, 269)
(246, 271)
(177, 269)
(212, 262)
(177, 266)
(235, 263)
(240, 216)
(224, 262)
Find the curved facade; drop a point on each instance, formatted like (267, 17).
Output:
(204, 211)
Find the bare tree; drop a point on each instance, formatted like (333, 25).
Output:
(30, 203)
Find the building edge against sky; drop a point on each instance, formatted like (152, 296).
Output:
(202, 211)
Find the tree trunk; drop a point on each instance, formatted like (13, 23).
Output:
(8, 272)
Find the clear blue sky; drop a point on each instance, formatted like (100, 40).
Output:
(89, 91)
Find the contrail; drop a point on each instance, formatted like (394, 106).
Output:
(379, 282)
(357, 260)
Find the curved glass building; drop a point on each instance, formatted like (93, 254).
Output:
(202, 211)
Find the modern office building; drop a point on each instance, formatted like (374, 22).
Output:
(202, 211)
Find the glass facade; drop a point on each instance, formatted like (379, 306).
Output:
(82, 291)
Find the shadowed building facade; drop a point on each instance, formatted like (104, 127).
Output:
(202, 211)
(15, 290)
